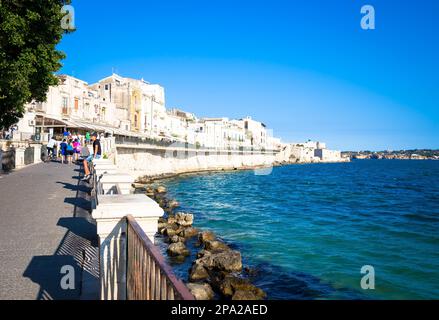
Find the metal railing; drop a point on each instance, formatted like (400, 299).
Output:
(149, 277)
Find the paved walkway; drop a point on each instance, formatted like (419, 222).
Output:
(45, 225)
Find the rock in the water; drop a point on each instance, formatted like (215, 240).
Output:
(178, 249)
(203, 253)
(175, 239)
(201, 291)
(242, 288)
(246, 295)
(170, 232)
(229, 261)
(160, 189)
(161, 226)
(171, 229)
(171, 218)
(216, 246)
(184, 219)
(150, 190)
(173, 204)
(137, 185)
(188, 232)
(163, 220)
(198, 272)
(206, 236)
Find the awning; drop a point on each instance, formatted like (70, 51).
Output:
(50, 121)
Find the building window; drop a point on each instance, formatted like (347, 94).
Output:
(65, 101)
(76, 104)
(65, 105)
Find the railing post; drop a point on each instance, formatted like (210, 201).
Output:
(110, 215)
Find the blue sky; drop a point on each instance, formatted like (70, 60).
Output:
(305, 68)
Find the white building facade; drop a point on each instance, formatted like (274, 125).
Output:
(135, 107)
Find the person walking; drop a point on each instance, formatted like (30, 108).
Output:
(97, 152)
(70, 151)
(51, 145)
(63, 150)
(76, 149)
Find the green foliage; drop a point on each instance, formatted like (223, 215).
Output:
(29, 33)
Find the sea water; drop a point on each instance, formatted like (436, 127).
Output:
(307, 230)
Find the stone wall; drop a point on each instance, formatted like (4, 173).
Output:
(156, 161)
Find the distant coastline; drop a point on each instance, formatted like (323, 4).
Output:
(414, 154)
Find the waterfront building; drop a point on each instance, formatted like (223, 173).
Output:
(256, 132)
(177, 124)
(71, 104)
(140, 103)
(133, 107)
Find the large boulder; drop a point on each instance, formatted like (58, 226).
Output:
(198, 272)
(161, 226)
(137, 185)
(171, 219)
(229, 261)
(163, 220)
(246, 295)
(188, 232)
(239, 289)
(173, 204)
(201, 291)
(184, 219)
(203, 253)
(171, 230)
(175, 239)
(161, 189)
(178, 249)
(206, 236)
(215, 246)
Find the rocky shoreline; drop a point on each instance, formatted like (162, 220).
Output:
(217, 271)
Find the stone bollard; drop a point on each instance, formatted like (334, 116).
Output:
(37, 152)
(105, 168)
(19, 157)
(110, 181)
(110, 216)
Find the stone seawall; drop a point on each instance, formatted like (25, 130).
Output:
(154, 161)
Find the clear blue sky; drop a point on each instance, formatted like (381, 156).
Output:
(305, 68)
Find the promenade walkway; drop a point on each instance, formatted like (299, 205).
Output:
(45, 225)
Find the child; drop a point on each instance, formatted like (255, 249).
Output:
(69, 150)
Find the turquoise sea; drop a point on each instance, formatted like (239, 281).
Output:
(306, 230)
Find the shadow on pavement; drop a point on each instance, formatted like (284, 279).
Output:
(46, 271)
(79, 248)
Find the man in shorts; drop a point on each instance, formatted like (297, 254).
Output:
(97, 152)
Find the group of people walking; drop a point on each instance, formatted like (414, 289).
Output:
(74, 148)
(68, 150)
(71, 148)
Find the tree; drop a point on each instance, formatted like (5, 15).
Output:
(29, 33)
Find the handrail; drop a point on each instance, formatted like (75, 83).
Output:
(149, 277)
